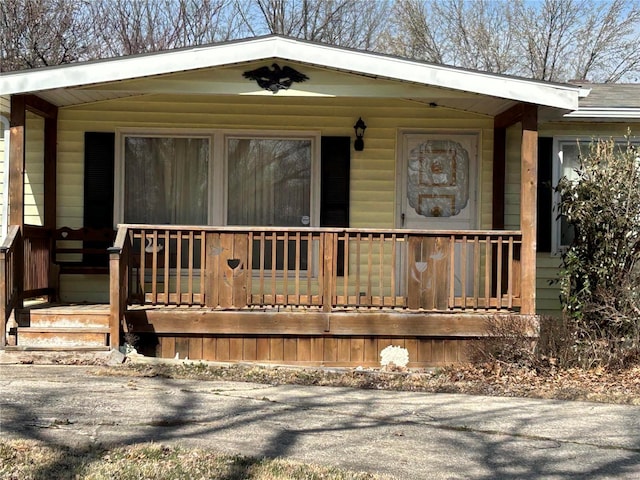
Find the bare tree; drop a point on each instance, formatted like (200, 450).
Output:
(36, 33)
(350, 23)
(137, 26)
(554, 40)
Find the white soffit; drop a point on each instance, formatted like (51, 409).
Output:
(274, 47)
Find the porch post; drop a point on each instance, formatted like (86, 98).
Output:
(17, 161)
(528, 199)
(499, 166)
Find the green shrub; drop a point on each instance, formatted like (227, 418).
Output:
(600, 277)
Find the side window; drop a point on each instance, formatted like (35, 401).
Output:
(568, 152)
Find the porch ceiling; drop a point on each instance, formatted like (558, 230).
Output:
(322, 83)
(333, 71)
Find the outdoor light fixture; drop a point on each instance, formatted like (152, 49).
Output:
(359, 128)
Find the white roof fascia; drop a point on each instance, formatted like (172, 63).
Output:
(125, 68)
(604, 112)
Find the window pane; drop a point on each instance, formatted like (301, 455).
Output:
(570, 163)
(269, 182)
(166, 180)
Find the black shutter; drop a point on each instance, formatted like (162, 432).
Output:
(99, 151)
(334, 190)
(545, 193)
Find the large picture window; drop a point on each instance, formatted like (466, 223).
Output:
(216, 177)
(166, 180)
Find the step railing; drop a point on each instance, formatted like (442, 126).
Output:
(11, 277)
(322, 268)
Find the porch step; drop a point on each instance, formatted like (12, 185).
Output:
(45, 348)
(62, 337)
(59, 327)
(66, 316)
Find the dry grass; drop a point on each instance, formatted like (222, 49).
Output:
(30, 460)
(492, 378)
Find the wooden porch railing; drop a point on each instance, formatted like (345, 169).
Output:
(37, 261)
(328, 269)
(11, 262)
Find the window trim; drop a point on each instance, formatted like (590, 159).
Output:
(217, 184)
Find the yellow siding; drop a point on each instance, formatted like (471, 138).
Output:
(34, 170)
(373, 181)
(512, 178)
(5, 105)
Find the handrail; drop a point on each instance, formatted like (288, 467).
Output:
(11, 254)
(241, 229)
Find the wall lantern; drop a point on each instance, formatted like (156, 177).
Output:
(359, 128)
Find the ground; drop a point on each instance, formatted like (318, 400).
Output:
(493, 378)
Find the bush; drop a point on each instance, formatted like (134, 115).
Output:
(600, 276)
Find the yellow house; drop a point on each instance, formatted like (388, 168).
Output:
(273, 200)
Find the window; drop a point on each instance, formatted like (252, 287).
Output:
(569, 151)
(213, 177)
(269, 182)
(166, 180)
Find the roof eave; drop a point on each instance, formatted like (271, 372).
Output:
(604, 113)
(264, 48)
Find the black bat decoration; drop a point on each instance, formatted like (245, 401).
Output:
(275, 78)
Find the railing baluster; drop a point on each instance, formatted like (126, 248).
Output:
(499, 274)
(203, 259)
(487, 272)
(262, 253)
(476, 269)
(510, 275)
(190, 276)
(394, 298)
(463, 271)
(274, 248)
(358, 244)
(381, 270)
(310, 248)
(167, 254)
(179, 267)
(345, 267)
(452, 271)
(285, 267)
(249, 269)
(297, 269)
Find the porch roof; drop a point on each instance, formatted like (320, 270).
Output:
(358, 73)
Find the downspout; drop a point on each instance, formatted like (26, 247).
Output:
(5, 190)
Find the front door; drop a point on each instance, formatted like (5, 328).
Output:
(437, 181)
(436, 185)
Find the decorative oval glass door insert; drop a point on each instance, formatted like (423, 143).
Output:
(438, 178)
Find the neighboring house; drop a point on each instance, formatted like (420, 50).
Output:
(252, 224)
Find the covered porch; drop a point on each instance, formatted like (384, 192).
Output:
(330, 292)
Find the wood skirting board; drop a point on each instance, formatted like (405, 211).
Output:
(303, 351)
(311, 338)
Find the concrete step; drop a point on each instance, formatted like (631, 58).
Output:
(62, 336)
